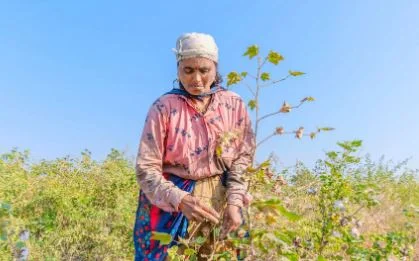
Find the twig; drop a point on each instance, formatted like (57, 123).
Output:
(270, 136)
(277, 112)
(265, 139)
(250, 88)
(275, 82)
(264, 61)
(303, 187)
(254, 77)
(257, 96)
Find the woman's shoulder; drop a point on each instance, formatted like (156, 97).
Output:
(228, 95)
(168, 98)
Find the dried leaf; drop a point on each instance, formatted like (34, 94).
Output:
(270, 219)
(219, 151)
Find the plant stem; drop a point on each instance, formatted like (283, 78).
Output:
(257, 96)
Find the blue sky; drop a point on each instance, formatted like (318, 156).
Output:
(78, 75)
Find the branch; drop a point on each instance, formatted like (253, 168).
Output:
(264, 61)
(254, 77)
(277, 112)
(250, 88)
(265, 139)
(276, 81)
(257, 96)
(270, 136)
(295, 107)
(267, 115)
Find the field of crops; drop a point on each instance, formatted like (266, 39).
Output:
(345, 208)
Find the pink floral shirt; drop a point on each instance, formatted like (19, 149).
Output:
(179, 140)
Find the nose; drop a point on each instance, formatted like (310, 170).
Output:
(197, 77)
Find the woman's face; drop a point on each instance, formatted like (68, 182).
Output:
(197, 74)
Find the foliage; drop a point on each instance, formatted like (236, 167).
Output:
(67, 209)
(346, 207)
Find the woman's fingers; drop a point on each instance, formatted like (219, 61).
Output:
(210, 214)
(211, 211)
(202, 211)
(195, 210)
(206, 212)
(197, 217)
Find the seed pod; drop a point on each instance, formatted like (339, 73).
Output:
(299, 133)
(279, 131)
(285, 108)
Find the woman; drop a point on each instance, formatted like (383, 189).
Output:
(196, 143)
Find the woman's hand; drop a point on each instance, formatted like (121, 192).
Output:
(232, 220)
(195, 210)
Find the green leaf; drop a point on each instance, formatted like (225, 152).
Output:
(200, 240)
(277, 205)
(308, 99)
(189, 251)
(172, 251)
(252, 51)
(243, 74)
(326, 129)
(275, 57)
(356, 143)
(265, 164)
(164, 238)
(265, 76)
(291, 256)
(233, 78)
(252, 104)
(288, 214)
(284, 237)
(332, 155)
(20, 244)
(321, 258)
(295, 73)
(6, 207)
(216, 232)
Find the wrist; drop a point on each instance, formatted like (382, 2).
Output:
(232, 205)
(183, 201)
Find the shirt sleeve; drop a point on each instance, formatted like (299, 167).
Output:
(159, 191)
(236, 186)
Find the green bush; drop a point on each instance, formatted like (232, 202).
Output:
(346, 207)
(73, 209)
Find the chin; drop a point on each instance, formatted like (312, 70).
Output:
(196, 91)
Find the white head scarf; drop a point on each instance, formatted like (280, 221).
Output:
(196, 45)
